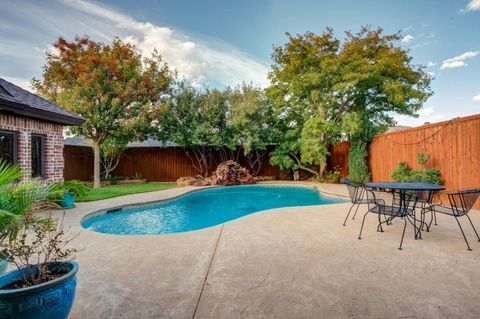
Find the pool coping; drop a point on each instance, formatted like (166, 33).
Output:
(119, 208)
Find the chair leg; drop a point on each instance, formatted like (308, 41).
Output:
(423, 214)
(356, 210)
(473, 227)
(431, 219)
(461, 229)
(361, 228)
(435, 216)
(345, 222)
(379, 227)
(403, 233)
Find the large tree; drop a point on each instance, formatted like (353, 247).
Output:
(252, 123)
(110, 85)
(377, 80)
(195, 120)
(302, 80)
(225, 122)
(324, 90)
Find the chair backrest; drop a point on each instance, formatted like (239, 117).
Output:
(463, 200)
(355, 190)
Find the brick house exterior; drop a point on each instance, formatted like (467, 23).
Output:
(34, 129)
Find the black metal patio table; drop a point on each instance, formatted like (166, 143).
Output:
(402, 189)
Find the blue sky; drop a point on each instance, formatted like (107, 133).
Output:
(217, 43)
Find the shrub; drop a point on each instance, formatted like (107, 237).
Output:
(332, 176)
(18, 199)
(357, 161)
(76, 188)
(403, 173)
(113, 179)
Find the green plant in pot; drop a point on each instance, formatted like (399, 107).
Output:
(44, 288)
(72, 189)
(17, 198)
(10, 208)
(44, 277)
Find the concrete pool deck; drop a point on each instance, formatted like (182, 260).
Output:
(282, 263)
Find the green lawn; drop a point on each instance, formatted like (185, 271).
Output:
(119, 190)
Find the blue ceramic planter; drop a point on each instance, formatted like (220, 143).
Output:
(3, 266)
(52, 299)
(68, 200)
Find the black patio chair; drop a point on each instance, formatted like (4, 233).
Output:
(424, 201)
(356, 191)
(382, 203)
(461, 202)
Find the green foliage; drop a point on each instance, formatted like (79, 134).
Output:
(113, 179)
(357, 162)
(422, 159)
(111, 150)
(76, 188)
(195, 121)
(355, 86)
(111, 86)
(18, 199)
(403, 173)
(202, 121)
(313, 151)
(252, 118)
(332, 176)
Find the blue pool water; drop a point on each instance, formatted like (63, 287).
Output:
(205, 208)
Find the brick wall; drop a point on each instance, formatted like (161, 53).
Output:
(53, 143)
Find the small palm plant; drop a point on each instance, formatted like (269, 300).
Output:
(18, 199)
(26, 235)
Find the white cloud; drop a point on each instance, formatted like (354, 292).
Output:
(473, 5)
(476, 98)
(426, 111)
(203, 60)
(425, 115)
(215, 62)
(458, 61)
(408, 38)
(431, 64)
(23, 83)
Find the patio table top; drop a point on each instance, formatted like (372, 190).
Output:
(416, 186)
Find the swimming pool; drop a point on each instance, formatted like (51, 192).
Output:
(204, 208)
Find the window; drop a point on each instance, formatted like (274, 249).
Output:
(38, 155)
(8, 147)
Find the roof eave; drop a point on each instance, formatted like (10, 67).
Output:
(23, 110)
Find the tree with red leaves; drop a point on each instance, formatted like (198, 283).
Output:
(111, 86)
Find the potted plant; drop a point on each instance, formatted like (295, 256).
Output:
(9, 207)
(46, 288)
(72, 189)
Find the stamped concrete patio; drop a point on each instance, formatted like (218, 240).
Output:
(282, 263)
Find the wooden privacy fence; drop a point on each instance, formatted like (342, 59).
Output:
(157, 164)
(78, 163)
(454, 147)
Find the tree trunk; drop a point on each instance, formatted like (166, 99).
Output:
(322, 169)
(96, 164)
(302, 167)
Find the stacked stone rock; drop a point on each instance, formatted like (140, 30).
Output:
(227, 173)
